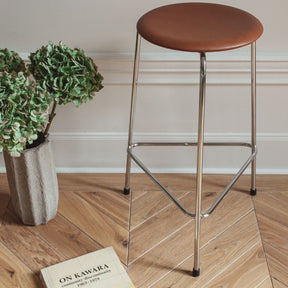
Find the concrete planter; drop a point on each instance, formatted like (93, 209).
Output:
(33, 184)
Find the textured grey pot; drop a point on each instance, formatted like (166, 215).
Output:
(33, 184)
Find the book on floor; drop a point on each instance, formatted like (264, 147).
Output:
(99, 269)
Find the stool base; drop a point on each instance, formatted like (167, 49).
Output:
(126, 191)
(196, 273)
(199, 144)
(253, 192)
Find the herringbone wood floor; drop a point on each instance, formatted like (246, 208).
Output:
(243, 243)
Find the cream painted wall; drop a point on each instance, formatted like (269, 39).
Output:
(93, 137)
(109, 26)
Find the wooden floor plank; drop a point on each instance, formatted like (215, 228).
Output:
(280, 182)
(248, 271)
(273, 233)
(169, 253)
(93, 222)
(162, 225)
(111, 204)
(176, 182)
(216, 256)
(101, 183)
(278, 263)
(173, 182)
(14, 273)
(270, 183)
(272, 215)
(89, 221)
(266, 284)
(273, 205)
(27, 245)
(65, 237)
(147, 205)
(278, 284)
(140, 183)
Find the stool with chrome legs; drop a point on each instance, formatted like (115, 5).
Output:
(201, 28)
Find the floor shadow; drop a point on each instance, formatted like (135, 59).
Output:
(164, 267)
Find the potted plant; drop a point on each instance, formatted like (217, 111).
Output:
(60, 75)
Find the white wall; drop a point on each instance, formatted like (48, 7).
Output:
(93, 137)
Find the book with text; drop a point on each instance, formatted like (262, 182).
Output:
(99, 269)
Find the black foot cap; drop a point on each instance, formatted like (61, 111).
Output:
(253, 192)
(126, 191)
(196, 273)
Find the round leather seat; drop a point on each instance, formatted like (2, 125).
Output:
(199, 27)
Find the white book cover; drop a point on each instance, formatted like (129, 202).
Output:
(99, 269)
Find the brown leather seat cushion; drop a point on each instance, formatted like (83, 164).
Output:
(199, 27)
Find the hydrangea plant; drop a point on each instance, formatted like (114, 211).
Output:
(11, 62)
(61, 75)
(23, 112)
(67, 74)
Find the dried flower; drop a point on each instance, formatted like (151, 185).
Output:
(23, 112)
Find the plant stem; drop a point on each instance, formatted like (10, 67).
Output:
(51, 117)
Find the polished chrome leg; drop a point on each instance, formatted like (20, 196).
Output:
(196, 269)
(132, 108)
(253, 109)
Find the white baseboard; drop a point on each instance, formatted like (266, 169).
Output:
(171, 170)
(165, 136)
(89, 170)
(114, 145)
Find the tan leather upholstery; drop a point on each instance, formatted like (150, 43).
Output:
(199, 27)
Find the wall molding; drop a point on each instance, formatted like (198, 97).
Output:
(177, 137)
(182, 68)
(230, 68)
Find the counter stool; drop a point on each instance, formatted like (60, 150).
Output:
(201, 28)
